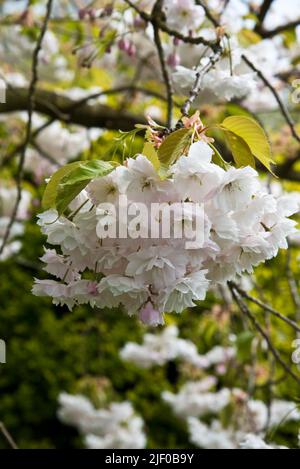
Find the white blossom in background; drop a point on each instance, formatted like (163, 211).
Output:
(214, 436)
(248, 422)
(243, 225)
(256, 442)
(8, 197)
(116, 427)
(16, 49)
(183, 15)
(194, 399)
(57, 144)
(158, 349)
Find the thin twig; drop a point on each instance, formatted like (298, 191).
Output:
(208, 13)
(294, 289)
(245, 310)
(19, 147)
(156, 12)
(8, 436)
(283, 108)
(267, 34)
(214, 45)
(264, 10)
(266, 307)
(198, 83)
(31, 92)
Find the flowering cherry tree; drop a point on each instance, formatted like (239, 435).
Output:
(155, 145)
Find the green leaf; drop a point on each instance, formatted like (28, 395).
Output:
(86, 171)
(150, 152)
(254, 136)
(174, 146)
(49, 197)
(70, 180)
(217, 158)
(240, 150)
(66, 194)
(75, 181)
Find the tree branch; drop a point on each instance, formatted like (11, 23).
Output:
(245, 310)
(208, 13)
(67, 110)
(198, 82)
(268, 34)
(265, 307)
(156, 13)
(283, 108)
(214, 45)
(264, 10)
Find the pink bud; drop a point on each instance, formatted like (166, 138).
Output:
(123, 44)
(173, 60)
(150, 316)
(82, 13)
(131, 51)
(92, 14)
(176, 41)
(92, 288)
(221, 369)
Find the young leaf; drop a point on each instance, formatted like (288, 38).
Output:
(217, 158)
(67, 193)
(75, 181)
(70, 180)
(173, 146)
(150, 152)
(240, 150)
(254, 136)
(49, 197)
(86, 171)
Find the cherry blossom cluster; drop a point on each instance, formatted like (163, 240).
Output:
(242, 226)
(114, 427)
(8, 196)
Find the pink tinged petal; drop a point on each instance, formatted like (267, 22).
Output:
(150, 316)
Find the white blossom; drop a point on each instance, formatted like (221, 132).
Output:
(116, 427)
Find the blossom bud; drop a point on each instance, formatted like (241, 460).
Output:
(131, 51)
(123, 44)
(82, 13)
(92, 14)
(173, 60)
